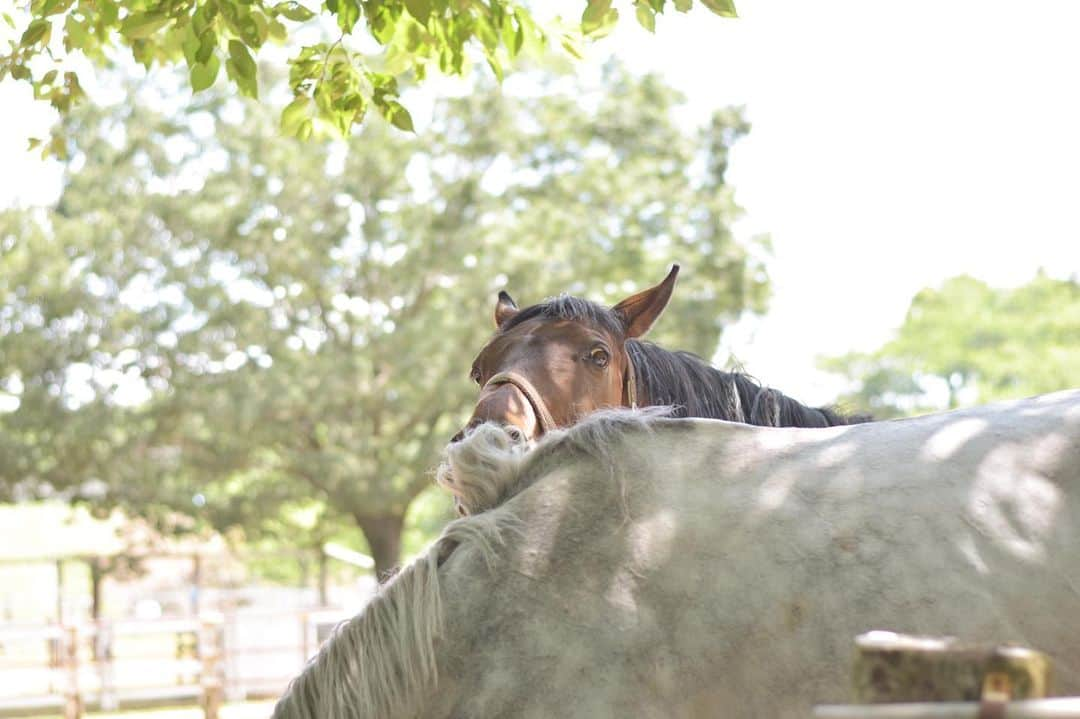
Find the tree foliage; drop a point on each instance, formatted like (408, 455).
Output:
(254, 330)
(967, 342)
(375, 48)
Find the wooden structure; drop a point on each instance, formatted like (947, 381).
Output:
(905, 677)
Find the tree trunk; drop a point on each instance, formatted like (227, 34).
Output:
(383, 534)
(324, 579)
(97, 575)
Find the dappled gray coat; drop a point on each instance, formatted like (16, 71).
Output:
(645, 567)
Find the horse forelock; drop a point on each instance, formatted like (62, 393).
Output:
(568, 307)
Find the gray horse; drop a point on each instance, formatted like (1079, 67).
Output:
(649, 567)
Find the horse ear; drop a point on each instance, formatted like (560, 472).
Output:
(505, 308)
(640, 311)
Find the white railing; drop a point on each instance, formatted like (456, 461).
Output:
(118, 664)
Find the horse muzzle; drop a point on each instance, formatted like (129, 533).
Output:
(508, 398)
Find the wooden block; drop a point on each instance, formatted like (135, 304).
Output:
(899, 668)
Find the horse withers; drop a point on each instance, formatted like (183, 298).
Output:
(551, 364)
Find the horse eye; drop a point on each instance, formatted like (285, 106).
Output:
(599, 357)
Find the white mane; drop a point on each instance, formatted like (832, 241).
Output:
(380, 662)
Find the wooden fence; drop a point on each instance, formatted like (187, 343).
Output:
(121, 664)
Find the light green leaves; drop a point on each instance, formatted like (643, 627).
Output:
(415, 36)
(723, 8)
(347, 13)
(398, 116)
(144, 24)
(38, 31)
(598, 19)
(296, 118)
(419, 9)
(204, 74)
(199, 45)
(646, 16)
(293, 11)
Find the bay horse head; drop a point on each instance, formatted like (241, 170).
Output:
(551, 364)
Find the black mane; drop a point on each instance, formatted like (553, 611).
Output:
(685, 381)
(696, 389)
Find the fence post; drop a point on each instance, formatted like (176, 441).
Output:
(73, 705)
(210, 653)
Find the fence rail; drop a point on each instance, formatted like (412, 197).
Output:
(120, 664)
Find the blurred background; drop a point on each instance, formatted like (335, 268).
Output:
(229, 359)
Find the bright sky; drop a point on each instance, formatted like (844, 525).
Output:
(893, 145)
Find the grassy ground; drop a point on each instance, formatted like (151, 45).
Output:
(246, 710)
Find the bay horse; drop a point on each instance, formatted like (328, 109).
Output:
(553, 363)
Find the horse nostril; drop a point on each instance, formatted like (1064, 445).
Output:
(458, 437)
(515, 434)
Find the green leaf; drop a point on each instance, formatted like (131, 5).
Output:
(395, 114)
(724, 8)
(419, 9)
(382, 23)
(200, 21)
(52, 7)
(513, 36)
(412, 37)
(277, 31)
(203, 75)
(248, 29)
(190, 46)
(48, 78)
(37, 31)
(143, 24)
(262, 27)
(71, 82)
(32, 143)
(684, 5)
(293, 11)
(594, 15)
(324, 99)
(347, 12)
(571, 45)
(241, 68)
(294, 114)
(109, 11)
(486, 32)
(207, 45)
(645, 16)
(496, 66)
(599, 27)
